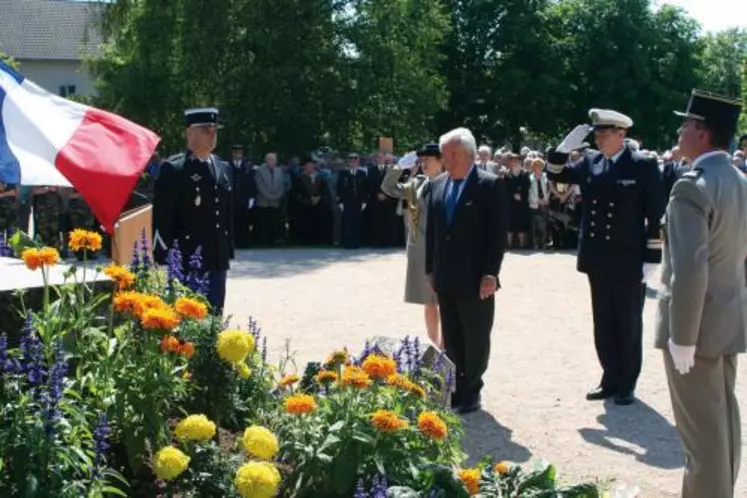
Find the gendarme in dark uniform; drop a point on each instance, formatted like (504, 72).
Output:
(193, 203)
(619, 245)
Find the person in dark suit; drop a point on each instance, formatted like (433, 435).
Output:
(673, 171)
(382, 209)
(352, 194)
(244, 195)
(313, 220)
(193, 204)
(466, 236)
(619, 244)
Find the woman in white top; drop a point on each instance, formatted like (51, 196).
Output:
(417, 288)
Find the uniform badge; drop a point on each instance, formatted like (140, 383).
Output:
(196, 177)
(597, 169)
(198, 201)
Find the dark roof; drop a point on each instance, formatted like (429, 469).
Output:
(48, 29)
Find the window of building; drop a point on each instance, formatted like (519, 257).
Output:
(67, 90)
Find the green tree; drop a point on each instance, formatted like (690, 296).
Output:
(723, 58)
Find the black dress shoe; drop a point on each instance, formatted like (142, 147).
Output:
(625, 399)
(599, 394)
(470, 405)
(456, 401)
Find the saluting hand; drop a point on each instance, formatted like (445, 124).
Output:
(488, 286)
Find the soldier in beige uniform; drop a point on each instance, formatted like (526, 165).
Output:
(702, 312)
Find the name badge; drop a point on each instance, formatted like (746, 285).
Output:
(626, 183)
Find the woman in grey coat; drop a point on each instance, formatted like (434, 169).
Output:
(417, 288)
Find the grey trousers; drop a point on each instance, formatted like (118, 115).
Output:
(707, 416)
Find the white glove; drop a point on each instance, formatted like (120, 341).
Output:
(341, 207)
(649, 270)
(682, 356)
(251, 203)
(408, 161)
(363, 207)
(575, 139)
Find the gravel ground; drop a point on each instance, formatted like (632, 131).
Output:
(542, 356)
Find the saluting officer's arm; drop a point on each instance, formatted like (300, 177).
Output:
(558, 171)
(165, 196)
(654, 205)
(687, 231)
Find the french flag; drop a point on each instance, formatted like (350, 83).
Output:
(46, 140)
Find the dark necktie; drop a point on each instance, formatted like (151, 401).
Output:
(451, 201)
(539, 189)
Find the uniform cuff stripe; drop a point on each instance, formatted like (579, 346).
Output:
(654, 244)
(555, 168)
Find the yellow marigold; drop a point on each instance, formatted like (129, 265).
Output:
(432, 425)
(195, 428)
(387, 421)
(191, 308)
(503, 467)
(326, 377)
(170, 463)
(339, 357)
(289, 380)
(260, 442)
(300, 404)
(379, 367)
(471, 480)
(243, 370)
(234, 345)
(84, 240)
(355, 377)
(416, 390)
(159, 319)
(398, 380)
(36, 258)
(151, 302)
(257, 480)
(186, 375)
(128, 302)
(121, 275)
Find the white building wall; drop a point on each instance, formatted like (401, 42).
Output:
(50, 75)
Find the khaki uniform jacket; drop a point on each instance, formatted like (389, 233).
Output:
(704, 299)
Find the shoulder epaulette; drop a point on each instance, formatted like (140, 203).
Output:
(693, 173)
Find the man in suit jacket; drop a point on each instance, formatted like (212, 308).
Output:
(466, 237)
(619, 245)
(703, 311)
(673, 171)
(352, 194)
(270, 192)
(193, 204)
(244, 195)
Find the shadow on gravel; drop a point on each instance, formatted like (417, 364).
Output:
(484, 435)
(640, 431)
(272, 263)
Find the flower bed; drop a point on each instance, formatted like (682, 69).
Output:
(156, 396)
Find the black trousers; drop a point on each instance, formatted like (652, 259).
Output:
(466, 323)
(617, 306)
(241, 227)
(352, 226)
(268, 229)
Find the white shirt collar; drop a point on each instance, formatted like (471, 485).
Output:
(705, 156)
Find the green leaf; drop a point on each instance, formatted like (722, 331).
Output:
(114, 491)
(336, 426)
(344, 471)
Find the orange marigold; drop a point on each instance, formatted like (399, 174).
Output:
(187, 349)
(169, 344)
(432, 425)
(339, 357)
(128, 302)
(36, 258)
(289, 380)
(49, 256)
(471, 480)
(31, 259)
(326, 377)
(355, 377)
(121, 275)
(398, 380)
(387, 421)
(151, 302)
(379, 367)
(300, 404)
(84, 240)
(191, 308)
(159, 319)
(503, 467)
(416, 390)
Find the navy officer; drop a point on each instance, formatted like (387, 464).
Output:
(620, 242)
(193, 204)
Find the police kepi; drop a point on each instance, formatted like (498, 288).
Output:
(620, 243)
(193, 204)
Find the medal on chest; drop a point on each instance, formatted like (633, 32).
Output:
(198, 199)
(597, 168)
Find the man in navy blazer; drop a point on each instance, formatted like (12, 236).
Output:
(466, 238)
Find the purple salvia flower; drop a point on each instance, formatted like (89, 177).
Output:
(378, 490)
(7, 365)
(145, 254)
(100, 442)
(438, 363)
(197, 280)
(405, 349)
(360, 491)
(32, 357)
(264, 350)
(174, 270)
(5, 250)
(397, 357)
(54, 389)
(448, 380)
(135, 263)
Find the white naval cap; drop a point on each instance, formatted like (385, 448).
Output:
(607, 118)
